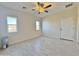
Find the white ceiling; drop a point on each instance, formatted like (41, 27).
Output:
(57, 7)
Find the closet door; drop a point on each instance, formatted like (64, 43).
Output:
(67, 29)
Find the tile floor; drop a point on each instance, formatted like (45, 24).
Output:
(42, 46)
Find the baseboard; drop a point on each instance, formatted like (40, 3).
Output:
(51, 37)
(24, 40)
(57, 38)
(66, 39)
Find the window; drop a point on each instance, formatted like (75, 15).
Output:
(12, 24)
(37, 25)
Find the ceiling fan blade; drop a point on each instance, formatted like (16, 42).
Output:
(33, 9)
(42, 5)
(47, 6)
(38, 12)
(38, 3)
(46, 11)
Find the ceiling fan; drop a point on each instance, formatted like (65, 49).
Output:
(42, 7)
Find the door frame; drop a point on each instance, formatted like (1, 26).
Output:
(74, 27)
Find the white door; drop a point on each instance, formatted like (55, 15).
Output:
(67, 29)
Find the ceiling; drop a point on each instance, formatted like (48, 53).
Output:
(57, 7)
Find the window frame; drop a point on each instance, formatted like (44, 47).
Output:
(37, 25)
(16, 23)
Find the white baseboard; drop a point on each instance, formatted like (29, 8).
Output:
(51, 37)
(24, 40)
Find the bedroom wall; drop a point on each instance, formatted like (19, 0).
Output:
(77, 23)
(26, 25)
(51, 23)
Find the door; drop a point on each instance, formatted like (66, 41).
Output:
(67, 29)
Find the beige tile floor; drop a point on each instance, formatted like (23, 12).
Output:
(43, 46)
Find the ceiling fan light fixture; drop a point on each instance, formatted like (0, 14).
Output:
(42, 7)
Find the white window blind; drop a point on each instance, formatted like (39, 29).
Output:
(37, 25)
(12, 24)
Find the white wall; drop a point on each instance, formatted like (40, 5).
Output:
(51, 23)
(77, 23)
(51, 27)
(26, 25)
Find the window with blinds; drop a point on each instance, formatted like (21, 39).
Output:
(12, 24)
(37, 25)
